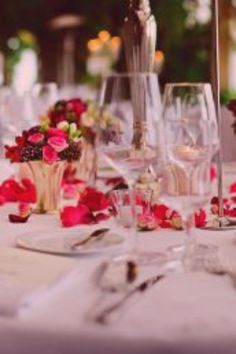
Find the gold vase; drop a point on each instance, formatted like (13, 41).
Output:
(47, 179)
(86, 166)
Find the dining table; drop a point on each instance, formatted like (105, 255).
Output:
(185, 312)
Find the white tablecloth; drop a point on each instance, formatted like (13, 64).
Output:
(184, 313)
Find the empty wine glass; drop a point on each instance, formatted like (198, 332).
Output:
(186, 183)
(44, 95)
(135, 141)
(195, 101)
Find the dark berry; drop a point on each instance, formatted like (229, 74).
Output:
(30, 152)
(72, 153)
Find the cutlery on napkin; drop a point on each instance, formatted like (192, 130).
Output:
(105, 315)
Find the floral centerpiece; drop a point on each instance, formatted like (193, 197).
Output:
(80, 120)
(66, 134)
(43, 151)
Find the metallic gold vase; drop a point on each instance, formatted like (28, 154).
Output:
(86, 166)
(47, 179)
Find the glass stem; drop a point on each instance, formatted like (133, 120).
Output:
(189, 241)
(134, 250)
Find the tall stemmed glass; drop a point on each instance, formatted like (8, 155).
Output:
(191, 139)
(44, 95)
(135, 143)
(195, 101)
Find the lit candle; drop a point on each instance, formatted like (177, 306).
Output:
(188, 153)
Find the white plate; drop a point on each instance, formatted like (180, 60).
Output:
(60, 242)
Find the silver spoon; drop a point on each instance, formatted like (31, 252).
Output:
(94, 234)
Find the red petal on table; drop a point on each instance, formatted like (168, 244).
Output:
(231, 212)
(2, 200)
(17, 218)
(71, 216)
(215, 200)
(160, 211)
(28, 193)
(232, 188)
(94, 199)
(9, 190)
(200, 218)
(70, 191)
(213, 172)
(13, 191)
(114, 181)
(102, 217)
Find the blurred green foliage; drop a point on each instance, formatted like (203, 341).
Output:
(186, 50)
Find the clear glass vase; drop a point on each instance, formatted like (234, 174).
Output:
(47, 179)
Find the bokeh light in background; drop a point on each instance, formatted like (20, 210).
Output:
(93, 45)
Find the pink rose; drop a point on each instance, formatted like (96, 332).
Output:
(57, 132)
(36, 138)
(57, 143)
(49, 154)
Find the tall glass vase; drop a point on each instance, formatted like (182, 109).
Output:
(47, 179)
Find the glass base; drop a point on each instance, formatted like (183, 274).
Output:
(196, 248)
(194, 258)
(147, 258)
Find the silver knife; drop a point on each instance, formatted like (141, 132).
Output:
(103, 316)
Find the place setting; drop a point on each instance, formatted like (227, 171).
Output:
(117, 178)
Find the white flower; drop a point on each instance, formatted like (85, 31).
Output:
(87, 119)
(64, 125)
(73, 128)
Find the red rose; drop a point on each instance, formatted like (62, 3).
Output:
(49, 154)
(36, 138)
(22, 140)
(13, 153)
(94, 200)
(76, 106)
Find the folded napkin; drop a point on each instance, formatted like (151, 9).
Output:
(25, 275)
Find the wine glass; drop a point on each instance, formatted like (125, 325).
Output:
(186, 185)
(195, 101)
(135, 141)
(44, 95)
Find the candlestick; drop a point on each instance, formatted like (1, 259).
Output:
(222, 222)
(139, 36)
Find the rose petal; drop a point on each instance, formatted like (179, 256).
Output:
(94, 200)
(18, 219)
(71, 216)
